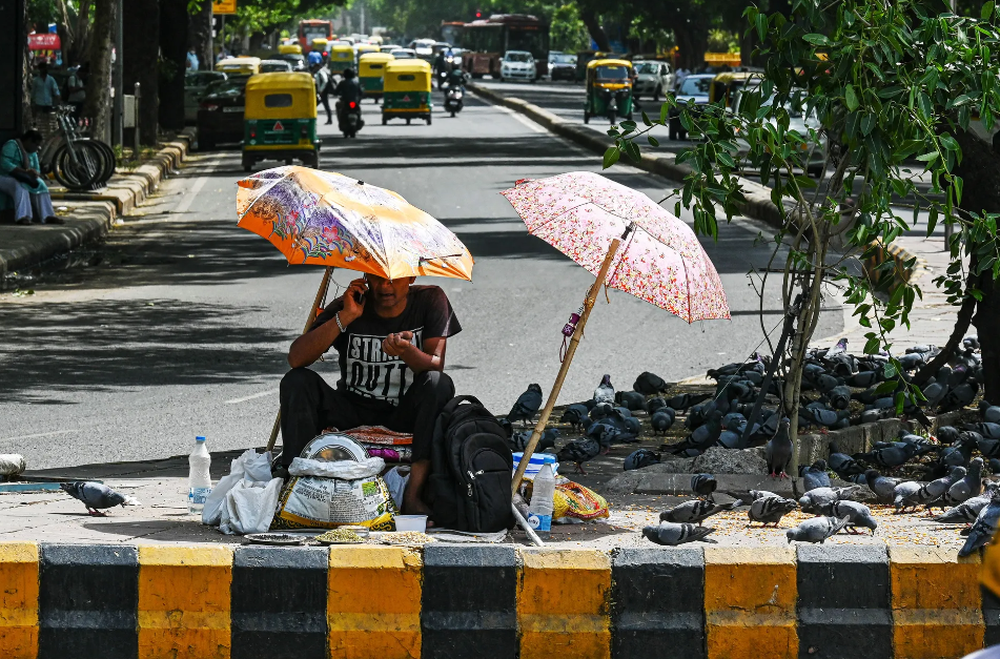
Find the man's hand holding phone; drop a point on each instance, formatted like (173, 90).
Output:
(354, 301)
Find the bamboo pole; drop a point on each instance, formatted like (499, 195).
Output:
(573, 343)
(324, 285)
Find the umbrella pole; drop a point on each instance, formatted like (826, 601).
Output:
(324, 285)
(573, 343)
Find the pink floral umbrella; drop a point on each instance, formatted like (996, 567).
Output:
(629, 243)
(660, 261)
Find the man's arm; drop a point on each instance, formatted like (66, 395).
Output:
(310, 346)
(431, 358)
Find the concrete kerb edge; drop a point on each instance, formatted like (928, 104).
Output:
(138, 186)
(616, 601)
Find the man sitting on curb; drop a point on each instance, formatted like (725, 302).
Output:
(390, 337)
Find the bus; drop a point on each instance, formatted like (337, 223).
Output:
(310, 29)
(488, 39)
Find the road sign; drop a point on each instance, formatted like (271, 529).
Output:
(224, 7)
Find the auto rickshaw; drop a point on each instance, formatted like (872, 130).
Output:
(371, 69)
(279, 120)
(609, 89)
(341, 58)
(407, 90)
(247, 66)
(363, 48)
(289, 49)
(725, 85)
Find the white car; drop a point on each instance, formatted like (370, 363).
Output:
(518, 65)
(653, 79)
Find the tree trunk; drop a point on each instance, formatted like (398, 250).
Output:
(987, 321)
(200, 35)
(141, 45)
(173, 49)
(27, 119)
(98, 104)
(597, 33)
(81, 35)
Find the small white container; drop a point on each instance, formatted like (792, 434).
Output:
(411, 523)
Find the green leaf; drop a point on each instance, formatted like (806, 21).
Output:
(652, 140)
(645, 119)
(611, 156)
(664, 113)
(816, 39)
(987, 11)
(886, 387)
(928, 157)
(871, 346)
(850, 98)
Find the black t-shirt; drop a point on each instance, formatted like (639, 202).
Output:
(367, 371)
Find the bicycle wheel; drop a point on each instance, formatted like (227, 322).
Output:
(107, 159)
(78, 168)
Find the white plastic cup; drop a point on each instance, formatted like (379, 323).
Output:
(411, 523)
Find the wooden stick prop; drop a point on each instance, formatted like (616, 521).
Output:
(573, 343)
(324, 285)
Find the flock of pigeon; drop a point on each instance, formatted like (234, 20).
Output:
(839, 389)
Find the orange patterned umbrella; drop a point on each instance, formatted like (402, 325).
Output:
(324, 218)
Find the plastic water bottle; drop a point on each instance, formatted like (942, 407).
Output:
(199, 478)
(543, 492)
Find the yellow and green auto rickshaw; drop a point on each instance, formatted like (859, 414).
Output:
(279, 119)
(246, 66)
(407, 91)
(371, 69)
(363, 48)
(341, 58)
(609, 89)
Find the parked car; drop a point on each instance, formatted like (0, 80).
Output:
(297, 60)
(694, 89)
(195, 84)
(220, 113)
(404, 53)
(276, 66)
(653, 78)
(518, 65)
(562, 66)
(813, 152)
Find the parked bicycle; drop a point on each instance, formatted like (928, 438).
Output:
(77, 162)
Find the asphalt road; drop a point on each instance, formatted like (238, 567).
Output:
(179, 325)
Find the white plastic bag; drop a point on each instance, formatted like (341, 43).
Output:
(250, 508)
(252, 467)
(396, 482)
(11, 464)
(347, 470)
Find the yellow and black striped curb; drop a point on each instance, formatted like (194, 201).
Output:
(489, 601)
(893, 264)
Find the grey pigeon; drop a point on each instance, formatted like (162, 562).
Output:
(579, 451)
(640, 458)
(662, 420)
(605, 393)
(983, 528)
(576, 415)
(820, 501)
(704, 484)
(778, 452)
(655, 403)
(632, 400)
(696, 511)
(882, 486)
(684, 401)
(770, 509)
(844, 465)
(519, 440)
(889, 457)
(97, 496)
(526, 405)
(992, 414)
(968, 510)
(817, 529)
(907, 496)
(814, 476)
(672, 534)
(648, 384)
(969, 486)
(859, 514)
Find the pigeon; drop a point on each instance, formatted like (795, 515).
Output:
(671, 534)
(863, 379)
(934, 393)
(839, 397)
(526, 405)
(630, 400)
(704, 485)
(519, 440)
(601, 411)
(959, 397)
(770, 509)
(969, 486)
(820, 500)
(605, 393)
(576, 416)
(889, 457)
(696, 510)
(606, 433)
(662, 419)
(988, 429)
(909, 496)
(814, 476)
(968, 510)
(684, 401)
(838, 349)
(882, 486)
(654, 404)
(734, 421)
(632, 426)
(778, 452)
(817, 529)
(701, 439)
(911, 361)
(948, 434)
(97, 496)
(842, 464)
(648, 384)
(858, 514)
(991, 414)
(983, 528)
(640, 458)
(579, 451)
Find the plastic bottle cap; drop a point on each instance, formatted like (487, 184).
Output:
(199, 439)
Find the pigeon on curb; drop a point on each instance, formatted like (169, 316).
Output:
(97, 496)
(526, 405)
(696, 511)
(882, 486)
(814, 476)
(770, 509)
(704, 485)
(983, 528)
(858, 513)
(519, 440)
(662, 419)
(968, 510)
(579, 451)
(671, 534)
(632, 400)
(820, 500)
(648, 384)
(605, 393)
(817, 529)
(640, 458)
(842, 464)
(969, 486)
(778, 452)
(576, 415)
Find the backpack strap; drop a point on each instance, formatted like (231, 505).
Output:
(455, 402)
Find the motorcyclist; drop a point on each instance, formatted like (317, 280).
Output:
(348, 90)
(322, 78)
(456, 77)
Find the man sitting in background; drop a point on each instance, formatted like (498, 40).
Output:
(20, 179)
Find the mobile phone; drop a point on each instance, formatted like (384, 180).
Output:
(358, 297)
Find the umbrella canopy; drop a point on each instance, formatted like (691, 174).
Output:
(661, 260)
(325, 218)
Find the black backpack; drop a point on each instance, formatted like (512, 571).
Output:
(471, 465)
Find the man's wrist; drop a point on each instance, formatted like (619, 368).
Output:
(345, 318)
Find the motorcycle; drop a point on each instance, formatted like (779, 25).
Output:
(349, 118)
(453, 99)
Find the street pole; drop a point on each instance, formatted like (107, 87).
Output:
(118, 78)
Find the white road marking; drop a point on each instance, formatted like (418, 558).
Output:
(192, 194)
(269, 392)
(521, 119)
(41, 434)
